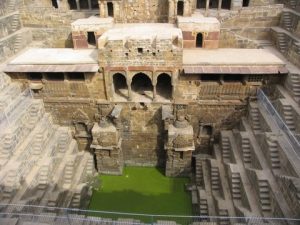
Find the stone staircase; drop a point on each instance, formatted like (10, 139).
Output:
(199, 173)
(274, 154)
(286, 20)
(236, 186)
(225, 149)
(246, 150)
(295, 80)
(264, 195)
(289, 117)
(215, 178)
(35, 152)
(254, 113)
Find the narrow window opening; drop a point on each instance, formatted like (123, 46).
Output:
(72, 4)
(35, 76)
(245, 3)
(226, 4)
(91, 38)
(164, 86)
(110, 9)
(180, 8)
(95, 4)
(84, 4)
(213, 4)
(207, 130)
(55, 76)
(54, 3)
(201, 4)
(76, 76)
(199, 40)
(140, 50)
(181, 155)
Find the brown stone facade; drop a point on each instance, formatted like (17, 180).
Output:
(210, 39)
(79, 39)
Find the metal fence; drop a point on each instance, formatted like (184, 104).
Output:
(68, 216)
(292, 139)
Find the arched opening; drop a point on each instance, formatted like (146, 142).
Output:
(180, 8)
(54, 3)
(164, 86)
(94, 4)
(120, 85)
(91, 38)
(245, 3)
(199, 40)
(141, 86)
(207, 130)
(201, 4)
(110, 9)
(72, 4)
(213, 4)
(226, 4)
(84, 4)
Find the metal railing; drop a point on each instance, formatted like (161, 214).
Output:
(291, 138)
(57, 216)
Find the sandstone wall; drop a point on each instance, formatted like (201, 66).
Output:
(250, 23)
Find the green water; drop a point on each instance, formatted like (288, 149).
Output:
(142, 190)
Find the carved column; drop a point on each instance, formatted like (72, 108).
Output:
(101, 8)
(171, 11)
(90, 4)
(219, 4)
(77, 4)
(186, 8)
(105, 9)
(207, 7)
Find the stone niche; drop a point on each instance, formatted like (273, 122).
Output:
(106, 145)
(179, 147)
(199, 32)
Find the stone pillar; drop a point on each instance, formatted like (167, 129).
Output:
(116, 10)
(90, 4)
(102, 9)
(186, 8)
(129, 90)
(171, 11)
(179, 146)
(219, 4)
(207, 7)
(77, 4)
(154, 93)
(106, 145)
(105, 9)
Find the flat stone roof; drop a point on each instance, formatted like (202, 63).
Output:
(56, 56)
(93, 20)
(230, 56)
(142, 31)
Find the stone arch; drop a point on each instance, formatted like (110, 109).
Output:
(141, 84)
(164, 85)
(199, 40)
(119, 83)
(180, 8)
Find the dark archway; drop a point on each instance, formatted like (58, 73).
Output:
(199, 40)
(142, 85)
(201, 4)
(95, 4)
(54, 3)
(84, 4)
(110, 9)
(120, 85)
(213, 4)
(226, 4)
(91, 38)
(245, 3)
(164, 86)
(180, 8)
(72, 4)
